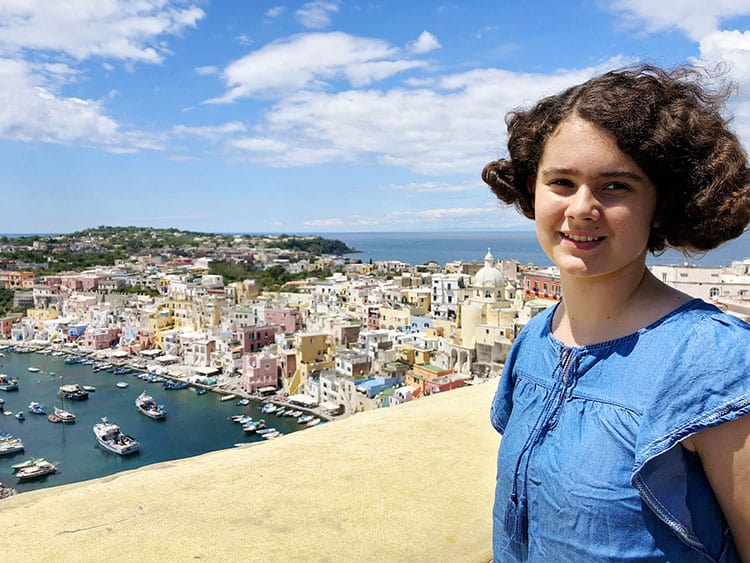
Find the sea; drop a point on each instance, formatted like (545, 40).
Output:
(421, 247)
(195, 424)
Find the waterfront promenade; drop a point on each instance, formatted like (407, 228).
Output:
(408, 483)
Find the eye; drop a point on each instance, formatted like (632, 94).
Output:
(561, 182)
(616, 186)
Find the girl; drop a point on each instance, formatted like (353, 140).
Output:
(622, 408)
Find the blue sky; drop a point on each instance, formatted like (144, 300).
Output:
(323, 116)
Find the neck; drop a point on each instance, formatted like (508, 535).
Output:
(600, 310)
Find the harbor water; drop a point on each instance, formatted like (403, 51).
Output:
(195, 424)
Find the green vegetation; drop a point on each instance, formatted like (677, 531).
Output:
(103, 246)
(271, 279)
(6, 302)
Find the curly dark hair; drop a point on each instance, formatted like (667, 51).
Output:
(671, 126)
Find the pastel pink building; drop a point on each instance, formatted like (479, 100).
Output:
(255, 338)
(100, 338)
(288, 319)
(259, 371)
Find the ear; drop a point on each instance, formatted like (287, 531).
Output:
(531, 187)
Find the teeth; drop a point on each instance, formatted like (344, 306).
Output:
(578, 238)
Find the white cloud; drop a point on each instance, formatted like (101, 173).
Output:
(696, 18)
(275, 12)
(432, 187)
(206, 70)
(31, 111)
(316, 15)
(438, 218)
(210, 132)
(731, 48)
(454, 127)
(116, 29)
(425, 43)
(310, 61)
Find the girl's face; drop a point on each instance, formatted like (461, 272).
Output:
(593, 204)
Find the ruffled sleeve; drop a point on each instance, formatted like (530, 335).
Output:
(706, 384)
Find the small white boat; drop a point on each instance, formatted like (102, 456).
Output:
(11, 446)
(37, 470)
(146, 404)
(64, 416)
(228, 398)
(37, 408)
(111, 438)
(122, 384)
(313, 422)
(89, 388)
(27, 463)
(33, 369)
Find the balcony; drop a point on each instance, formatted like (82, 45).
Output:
(406, 483)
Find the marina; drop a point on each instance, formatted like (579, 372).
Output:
(197, 423)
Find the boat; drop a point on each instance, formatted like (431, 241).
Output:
(111, 438)
(145, 403)
(271, 435)
(201, 391)
(20, 415)
(270, 408)
(64, 416)
(11, 446)
(37, 408)
(33, 369)
(73, 391)
(254, 426)
(243, 402)
(263, 431)
(37, 470)
(33, 461)
(89, 388)
(122, 384)
(313, 422)
(280, 411)
(228, 398)
(172, 385)
(7, 383)
(54, 418)
(305, 418)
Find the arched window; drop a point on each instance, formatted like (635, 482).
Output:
(714, 292)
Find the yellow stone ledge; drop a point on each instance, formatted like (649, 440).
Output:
(406, 483)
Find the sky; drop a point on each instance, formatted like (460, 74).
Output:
(324, 116)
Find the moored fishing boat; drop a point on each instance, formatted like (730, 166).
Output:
(111, 438)
(37, 408)
(7, 383)
(64, 416)
(11, 446)
(33, 461)
(146, 404)
(36, 470)
(73, 391)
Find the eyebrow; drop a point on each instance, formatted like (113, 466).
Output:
(607, 174)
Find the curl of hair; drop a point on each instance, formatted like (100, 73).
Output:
(671, 126)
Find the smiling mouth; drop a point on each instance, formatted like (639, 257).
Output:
(581, 238)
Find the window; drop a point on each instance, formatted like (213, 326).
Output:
(714, 292)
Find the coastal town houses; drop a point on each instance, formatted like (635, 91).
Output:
(380, 334)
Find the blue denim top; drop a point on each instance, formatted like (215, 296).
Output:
(590, 467)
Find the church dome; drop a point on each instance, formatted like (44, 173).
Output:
(488, 275)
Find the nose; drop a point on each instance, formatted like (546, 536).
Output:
(583, 205)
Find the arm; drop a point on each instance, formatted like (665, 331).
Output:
(725, 453)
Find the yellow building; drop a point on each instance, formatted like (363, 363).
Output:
(42, 314)
(418, 299)
(393, 319)
(313, 353)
